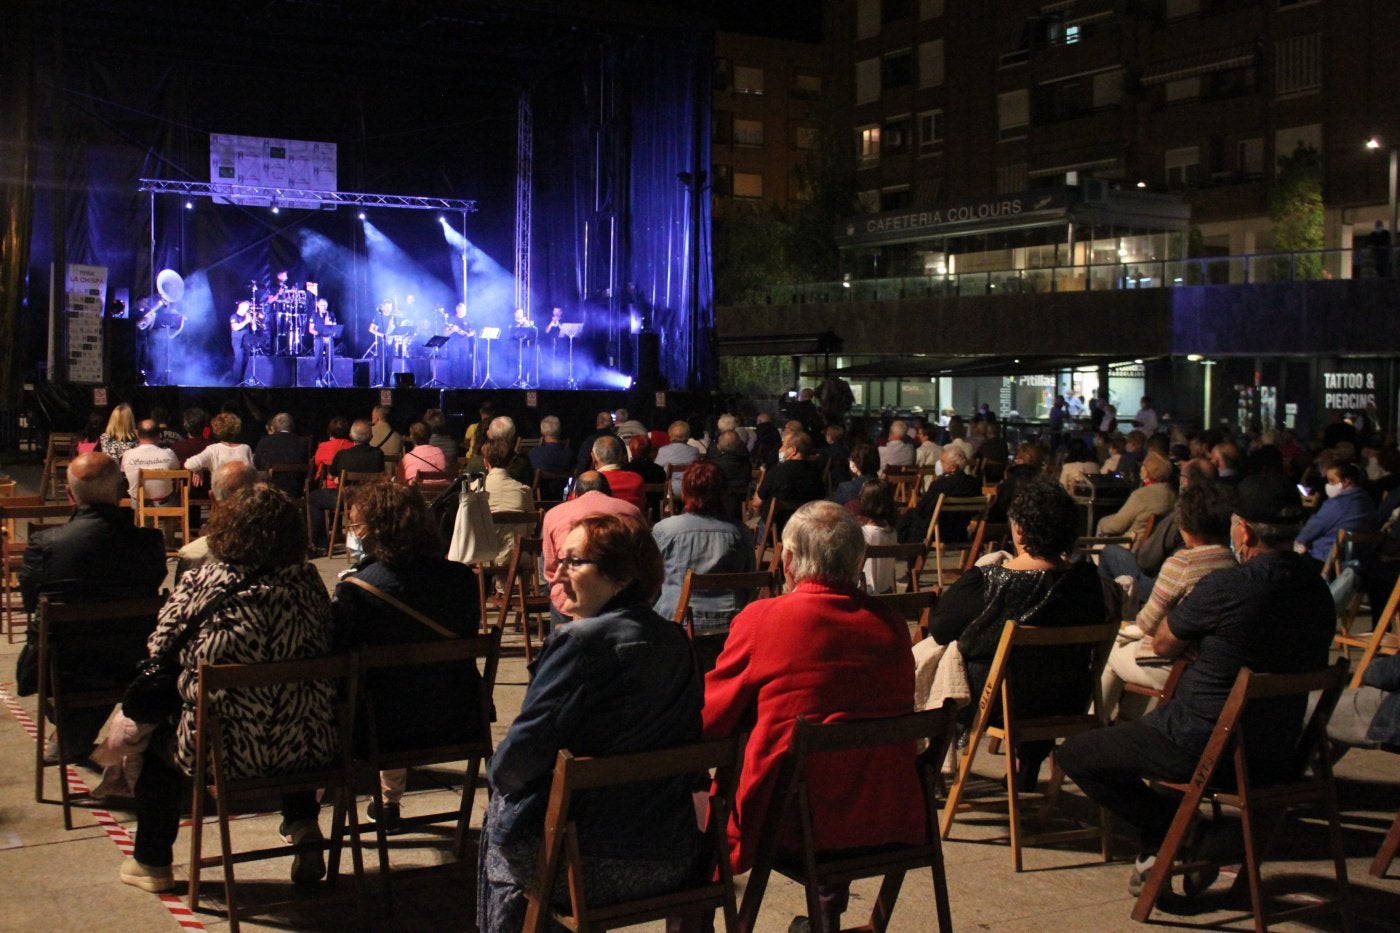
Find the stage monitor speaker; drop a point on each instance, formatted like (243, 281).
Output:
(308, 369)
(406, 380)
(362, 373)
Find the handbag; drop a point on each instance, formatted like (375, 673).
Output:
(27, 670)
(153, 695)
(474, 537)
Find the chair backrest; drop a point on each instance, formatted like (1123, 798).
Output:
(86, 643)
(750, 584)
(531, 518)
(1098, 639)
(971, 506)
(560, 848)
(913, 606)
(302, 470)
(483, 650)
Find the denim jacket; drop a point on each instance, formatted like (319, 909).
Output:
(1384, 674)
(704, 544)
(622, 681)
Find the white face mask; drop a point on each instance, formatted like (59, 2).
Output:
(1333, 490)
(782, 455)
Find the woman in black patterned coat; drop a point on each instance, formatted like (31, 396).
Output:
(273, 607)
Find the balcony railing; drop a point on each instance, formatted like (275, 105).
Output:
(1253, 269)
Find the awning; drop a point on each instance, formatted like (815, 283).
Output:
(1200, 63)
(919, 367)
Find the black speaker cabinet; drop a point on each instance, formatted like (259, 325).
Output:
(308, 370)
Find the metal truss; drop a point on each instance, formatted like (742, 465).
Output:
(301, 197)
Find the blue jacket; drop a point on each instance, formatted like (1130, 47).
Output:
(1353, 510)
(704, 544)
(622, 681)
(1384, 674)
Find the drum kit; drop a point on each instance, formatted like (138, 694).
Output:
(284, 315)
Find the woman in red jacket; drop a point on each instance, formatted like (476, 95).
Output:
(828, 652)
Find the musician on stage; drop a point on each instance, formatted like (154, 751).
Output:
(526, 337)
(462, 346)
(278, 288)
(382, 327)
(246, 329)
(553, 330)
(324, 342)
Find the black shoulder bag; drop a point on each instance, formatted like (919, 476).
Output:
(153, 695)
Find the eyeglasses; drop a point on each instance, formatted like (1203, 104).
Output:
(573, 563)
(352, 526)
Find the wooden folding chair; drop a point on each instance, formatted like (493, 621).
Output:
(915, 607)
(529, 594)
(1386, 854)
(974, 507)
(62, 447)
(1088, 546)
(1097, 640)
(87, 652)
(348, 480)
(671, 501)
(813, 868)
(1384, 637)
(305, 472)
(905, 480)
(1351, 545)
(12, 553)
(745, 588)
(213, 775)
(482, 650)
(779, 511)
(1310, 782)
(560, 849)
(391, 464)
(901, 553)
(549, 484)
(432, 483)
(658, 497)
(175, 507)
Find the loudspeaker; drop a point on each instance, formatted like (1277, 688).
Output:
(362, 368)
(405, 380)
(308, 370)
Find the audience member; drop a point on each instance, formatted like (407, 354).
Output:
(864, 468)
(602, 427)
(422, 456)
(835, 458)
(439, 438)
(824, 651)
(1040, 586)
(257, 600)
(148, 455)
(1203, 515)
(382, 434)
(551, 455)
(226, 428)
(1142, 563)
(1153, 499)
(631, 686)
(767, 440)
(608, 458)
(120, 435)
(794, 480)
(280, 447)
(592, 496)
(403, 560)
(627, 426)
(338, 439)
(168, 435)
(476, 432)
(895, 452)
(876, 513)
(359, 457)
(955, 482)
(1346, 508)
(506, 495)
(1146, 418)
(1273, 614)
(1079, 464)
(194, 421)
(97, 554)
(228, 481)
(1368, 716)
(1029, 466)
(702, 539)
(677, 453)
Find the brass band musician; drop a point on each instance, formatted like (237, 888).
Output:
(382, 327)
(461, 350)
(324, 341)
(248, 330)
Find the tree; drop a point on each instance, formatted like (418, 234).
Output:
(751, 245)
(1295, 206)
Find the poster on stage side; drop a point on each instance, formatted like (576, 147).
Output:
(85, 295)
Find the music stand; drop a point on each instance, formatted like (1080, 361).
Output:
(435, 344)
(488, 334)
(255, 353)
(168, 321)
(328, 334)
(522, 334)
(571, 331)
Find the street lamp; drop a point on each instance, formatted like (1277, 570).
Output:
(1374, 143)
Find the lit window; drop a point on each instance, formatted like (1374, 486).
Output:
(748, 132)
(748, 80)
(1071, 35)
(869, 143)
(748, 185)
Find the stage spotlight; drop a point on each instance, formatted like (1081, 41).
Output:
(362, 215)
(189, 205)
(442, 220)
(276, 209)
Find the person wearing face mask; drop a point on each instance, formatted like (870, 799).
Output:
(1272, 613)
(865, 468)
(1347, 508)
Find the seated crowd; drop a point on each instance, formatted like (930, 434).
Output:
(1225, 565)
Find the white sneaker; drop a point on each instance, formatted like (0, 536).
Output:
(147, 877)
